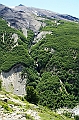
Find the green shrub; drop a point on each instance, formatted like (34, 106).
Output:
(77, 117)
(67, 114)
(32, 95)
(0, 84)
(28, 117)
(6, 107)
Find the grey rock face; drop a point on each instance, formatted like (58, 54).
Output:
(24, 32)
(19, 18)
(13, 82)
(45, 13)
(29, 17)
(40, 36)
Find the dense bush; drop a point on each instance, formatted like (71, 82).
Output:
(48, 90)
(76, 117)
(52, 93)
(32, 95)
(32, 76)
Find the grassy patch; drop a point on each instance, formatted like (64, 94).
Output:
(5, 106)
(28, 117)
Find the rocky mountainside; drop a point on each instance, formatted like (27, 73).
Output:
(29, 17)
(13, 107)
(45, 13)
(40, 57)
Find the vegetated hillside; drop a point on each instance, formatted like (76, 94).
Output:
(57, 58)
(14, 107)
(51, 64)
(13, 47)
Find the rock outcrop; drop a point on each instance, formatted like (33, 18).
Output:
(13, 82)
(41, 35)
(29, 17)
(24, 30)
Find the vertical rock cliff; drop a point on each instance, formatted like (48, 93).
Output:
(12, 81)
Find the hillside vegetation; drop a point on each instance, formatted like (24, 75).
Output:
(11, 51)
(51, 64)
(57, 56)
(14, 107)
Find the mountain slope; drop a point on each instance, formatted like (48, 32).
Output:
(50, 59)
(57, 56)
(13, 47)
(28, 17)
(14, 107)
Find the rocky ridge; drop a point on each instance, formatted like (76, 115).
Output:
(28, 17)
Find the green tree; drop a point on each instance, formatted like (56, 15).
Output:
(32, 95)
(49, 90)
(0, 84)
